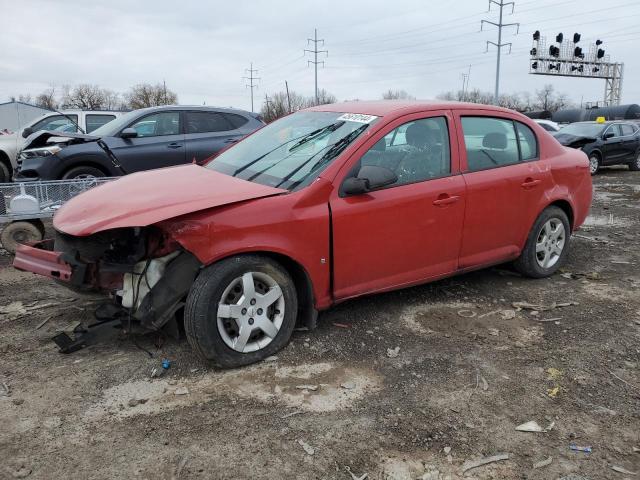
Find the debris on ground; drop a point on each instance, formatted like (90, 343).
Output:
(353, 475)
(531, 426)
(341, 325)
(271, 358)
(447, 450)
(5, 391)
(471, 464)
(134, 402)
(543, 463)
(508, 314)
(467, 313)
(577, 448)
(494, 331)
(615, 468)
(623, 381)
(181, 391)
(577, 276)
(291, 414)
(485, 385)
(348, 385)
(553, 392)
(393, 352)
(22, 472)
(539, 307)
(307, 448)
(312, 388)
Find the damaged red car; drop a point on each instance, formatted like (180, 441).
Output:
(323, 205)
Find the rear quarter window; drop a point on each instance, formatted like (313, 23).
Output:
(527, 141)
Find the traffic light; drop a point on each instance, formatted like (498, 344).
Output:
(554, 51)
(595, 69)
(534, 65)
(598, 42)
(576, 37)
(577, 52)
(559, 37)
(536, 35)
(533, 52)
(600, 53)
(579, 68)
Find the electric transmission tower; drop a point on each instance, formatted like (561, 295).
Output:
(250, 72)
(315, 52)
(501, 4)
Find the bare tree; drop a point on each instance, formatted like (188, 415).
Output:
(146, 95)
(278, 103)
(397, 95)
(47, 99)
(325, 97)
(548, 99)
(83, 96)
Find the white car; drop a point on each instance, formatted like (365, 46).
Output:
(64, 121)
(548, 125)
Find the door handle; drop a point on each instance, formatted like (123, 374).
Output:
(530, 183)
(174, 145)
(445, 199)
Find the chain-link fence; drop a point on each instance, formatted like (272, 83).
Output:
(30, 200)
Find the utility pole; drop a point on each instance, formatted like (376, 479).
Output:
(250, 71)
(286, 85)
(266, 102)
(315, 52)
(465, 80)
(499, 45)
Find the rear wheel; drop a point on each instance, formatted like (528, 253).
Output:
(240, 310)
(635, 165)
(594, 163)
(84, 172)
(5, 172)
(19, 232)
(547, 245)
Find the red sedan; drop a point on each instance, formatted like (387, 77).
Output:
(323, 205)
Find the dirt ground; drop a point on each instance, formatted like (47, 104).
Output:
(410, 384)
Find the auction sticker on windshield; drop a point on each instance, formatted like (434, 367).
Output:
(357, 117)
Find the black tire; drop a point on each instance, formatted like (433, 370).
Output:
(635, 165)
(39, 225)
(200, 316)
(595, 162)
(527, 263)
(5, 172)
(19, 232)
(83, 172)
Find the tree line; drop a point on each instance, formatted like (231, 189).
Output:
(93, 97)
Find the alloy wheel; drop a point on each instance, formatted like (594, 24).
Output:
(251, 312)
(550, 243)
(594, 164)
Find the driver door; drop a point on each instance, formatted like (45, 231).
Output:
(407, 232)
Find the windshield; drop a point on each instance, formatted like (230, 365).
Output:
(583, 129)
(113, 127)
(291, 152)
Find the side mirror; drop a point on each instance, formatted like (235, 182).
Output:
(370, 177)
(26, 132)
(608, 135)
(128, 133)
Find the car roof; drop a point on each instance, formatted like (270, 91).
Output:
(382, 108)
(205, 108)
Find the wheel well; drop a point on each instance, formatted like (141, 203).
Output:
(566, 208)
(4, 158)
(597, 153)
(86, 164)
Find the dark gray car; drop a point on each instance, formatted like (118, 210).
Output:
(139, 140)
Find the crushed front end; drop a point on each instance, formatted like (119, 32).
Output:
(142, 270)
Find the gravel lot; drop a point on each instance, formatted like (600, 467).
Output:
(411, 384)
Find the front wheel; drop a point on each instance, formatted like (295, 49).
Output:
(240, 310)
(635, 165)
(82, 173)
(18, 232)
(594, 163)
(547, 245)
(5, 173)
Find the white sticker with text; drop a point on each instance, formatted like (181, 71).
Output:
(357, 117)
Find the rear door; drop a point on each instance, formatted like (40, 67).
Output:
(209, 132)
(505, 182)
(613, 148)
(629, 141)
(160, 143)
(407, 232)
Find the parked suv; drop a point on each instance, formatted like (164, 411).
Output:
(66, 121)
(140, 140)
(605, 143)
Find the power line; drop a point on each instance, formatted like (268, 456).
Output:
(251, 79)
(499, 45)
(315, 52)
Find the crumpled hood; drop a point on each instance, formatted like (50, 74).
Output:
(145, 198)
(42, 138)
(574, 141)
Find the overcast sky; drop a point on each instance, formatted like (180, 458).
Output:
(201, 48)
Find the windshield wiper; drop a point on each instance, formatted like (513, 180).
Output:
(316, 133)
(334, 150)
(301, 138)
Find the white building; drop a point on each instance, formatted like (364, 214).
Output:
(15, 114)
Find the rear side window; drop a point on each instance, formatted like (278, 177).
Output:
(205, 122)
(96, 121)
(527, 141)
(490, 142)
(236, 120)
(627, 129)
